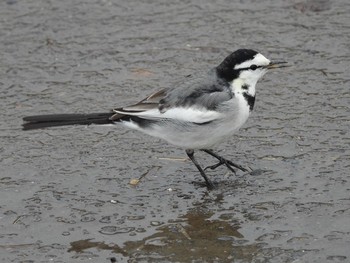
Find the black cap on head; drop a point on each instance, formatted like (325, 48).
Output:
(239, 56)
(226, 69)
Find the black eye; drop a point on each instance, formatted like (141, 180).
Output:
(253, 67)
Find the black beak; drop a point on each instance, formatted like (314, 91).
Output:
(277, 64)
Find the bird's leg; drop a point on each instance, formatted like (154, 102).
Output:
(229, 164)
(190, 154)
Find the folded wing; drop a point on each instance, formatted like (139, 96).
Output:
(196, 101)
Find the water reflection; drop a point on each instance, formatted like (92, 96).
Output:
(194, 236)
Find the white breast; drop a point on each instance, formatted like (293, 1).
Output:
(231, 116)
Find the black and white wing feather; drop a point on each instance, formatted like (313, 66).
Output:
(194, 101)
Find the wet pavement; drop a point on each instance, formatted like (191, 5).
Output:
(65, 193)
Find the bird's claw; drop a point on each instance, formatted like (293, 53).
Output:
(213, 167)
(229, 164)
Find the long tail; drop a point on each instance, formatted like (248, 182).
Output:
(44, 121)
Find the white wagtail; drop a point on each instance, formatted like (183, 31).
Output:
(196, 115)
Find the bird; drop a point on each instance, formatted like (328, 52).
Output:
(203, 111)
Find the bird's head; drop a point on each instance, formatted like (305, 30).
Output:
(245, 67)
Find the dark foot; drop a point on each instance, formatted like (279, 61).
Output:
(222, 161)
(190, 154)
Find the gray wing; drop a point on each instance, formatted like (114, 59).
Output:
(205, 91)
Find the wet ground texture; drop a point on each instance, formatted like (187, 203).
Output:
(65, 193)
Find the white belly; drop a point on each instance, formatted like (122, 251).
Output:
(201, 136)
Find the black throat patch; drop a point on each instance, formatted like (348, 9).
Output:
(245, 87)
(250, 100)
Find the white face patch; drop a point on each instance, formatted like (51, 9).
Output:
(258, 60)
(250, 77)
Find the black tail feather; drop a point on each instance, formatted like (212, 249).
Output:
(44, 121)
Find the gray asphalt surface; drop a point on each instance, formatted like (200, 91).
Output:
(65, 193)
